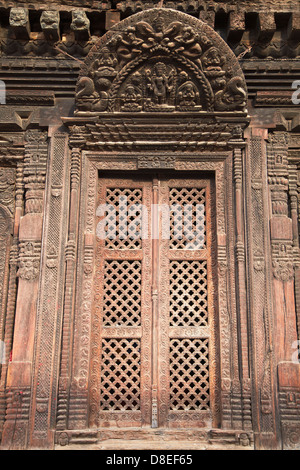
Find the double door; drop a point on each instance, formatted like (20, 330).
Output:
(155, 300)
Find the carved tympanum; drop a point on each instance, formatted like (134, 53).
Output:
(161, 62)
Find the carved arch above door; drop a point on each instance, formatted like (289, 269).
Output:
(161, 60)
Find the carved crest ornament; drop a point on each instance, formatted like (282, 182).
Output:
(162, 62)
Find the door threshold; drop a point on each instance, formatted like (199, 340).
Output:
(154, 439)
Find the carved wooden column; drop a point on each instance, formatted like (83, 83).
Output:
(281, 225)
(67, 400)
(50, 306)
(263, 367)
(8, 289)
(19, 373)
(242, 306)
(285, 253)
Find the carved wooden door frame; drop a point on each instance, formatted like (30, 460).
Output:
(169, 377)
(83, 390)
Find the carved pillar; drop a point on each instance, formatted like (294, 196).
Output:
(50, 305)
(285, 246)
(68, 400)
(19, 373)
(9, 247)
(263, 368)
(294, 202)
(281, 225)
(241, 290)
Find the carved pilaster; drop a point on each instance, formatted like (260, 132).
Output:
(282, 246)
(289, 403)
(260, 304)
(29, 229)
(64, 406)
(241, 285)
(51, 292)
(8, 264)
(35, 164)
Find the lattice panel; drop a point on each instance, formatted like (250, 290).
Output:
(188, 293)
(122, 293)
(189, 379)
(120, 375)
(123, 230)
(187, 218)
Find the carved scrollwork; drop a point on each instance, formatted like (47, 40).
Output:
(161, 63)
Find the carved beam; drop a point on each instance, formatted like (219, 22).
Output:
(112, 18)
(236, 26)
(294, 26)
(50, 25)
(80, 25)
(19, 22)
(208, 17)
(266, 26)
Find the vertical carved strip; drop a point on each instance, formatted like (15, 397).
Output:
(7, 317)
(49, 314)
(224, 305)
(70, 256)
(235, 392)
(264, 413)
(294, 206)
(79, 403)
(15, 432)
(241, 288)
(282, 235)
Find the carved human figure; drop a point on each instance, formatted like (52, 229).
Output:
(131, 99)
(212, 59)
(106, 59)
(185, 40)
(187, 95)
(160, 83)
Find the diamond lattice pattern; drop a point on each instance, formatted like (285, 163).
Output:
(120, 375)
(125, 220)
(122, 293)
(187, 218)
(188, 293)
(189, 380)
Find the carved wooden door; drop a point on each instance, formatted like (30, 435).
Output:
(154, 299)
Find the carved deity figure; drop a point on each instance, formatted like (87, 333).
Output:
(187, 95)
(212, 59)
(131, 99)
(160, 83)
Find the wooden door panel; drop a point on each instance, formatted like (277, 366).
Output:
(185, 306)
(123, 282)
